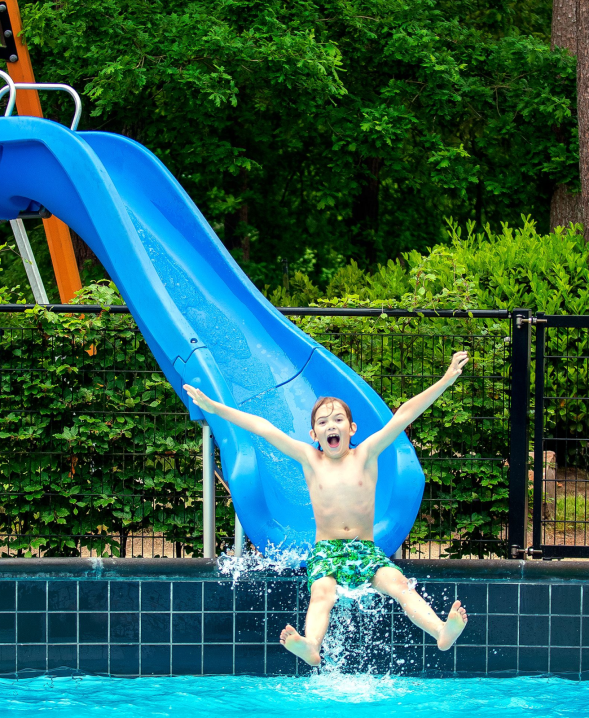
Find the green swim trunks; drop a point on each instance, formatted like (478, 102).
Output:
(352, 562)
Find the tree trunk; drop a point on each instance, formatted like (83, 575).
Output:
(83, 252)
(583, 106)
(566, 207)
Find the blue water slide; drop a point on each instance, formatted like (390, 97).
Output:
(204, 321)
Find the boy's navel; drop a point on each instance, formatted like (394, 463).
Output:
(359, 483)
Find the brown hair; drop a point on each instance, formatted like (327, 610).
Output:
(329, 400)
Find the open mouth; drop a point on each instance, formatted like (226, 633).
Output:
(333, 440)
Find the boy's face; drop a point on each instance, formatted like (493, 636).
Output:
(332, 429)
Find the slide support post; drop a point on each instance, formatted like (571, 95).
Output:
(208, 491)
(239, 537)
(28, 258)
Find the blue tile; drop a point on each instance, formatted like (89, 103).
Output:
(218, 596)
(218, 660)
(93, 595)
(279, 661)
(249, 660)
(533, 630)
(473, 597)
(94, 659)
(440, 596)
(585, 631)
(584, 660)
(404, 631)
(407, 660)
(187, 627)
(276, 622)
(124, 595)
(217, 627)
(155, 628)
(31, 595)
(62, 596)
(31, 627)
(470, 659)
(438, 661)
(376, 659)
(186, 660)
(7, 595)
(155, 596)
(566, 599)
(502, 660)
(250, 627)
(503, 598)
(124, 627)
(533, 660)
(586, 600)
(7, 659)
(7, 628)
(565, 630)
(32, 657)
(565, 660)
(502, 630)
(62, 628)
(155, 660)
(534, 599)
(124, 660)
(188, 596)
(475, 633)
(250, 596)
(62, 657)
(93, 627)
(282, 595)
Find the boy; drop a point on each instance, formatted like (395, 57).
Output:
(342, 485)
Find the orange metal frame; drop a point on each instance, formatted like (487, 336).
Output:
(28, 103)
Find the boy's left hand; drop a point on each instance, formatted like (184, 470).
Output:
(456, 366)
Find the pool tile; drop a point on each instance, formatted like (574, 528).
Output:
(584, 660)
(565, 660)
(186, 660)
(533, 630)
(439, 595)
(586, 599)
(473, 597)
(533, 660)
(218, 627)
(436, 660)
(155, 660)
(304, 598)
(187, 596)
(566, 600)
(124, 627)
(276, 622)
(250, 627)
(250, 596)
(404, 631)
(33, 657)
(62, 628)
(279, 661)
(94, 658)
(502, 630)
(475, 633)
(7, 595)
(31, 628)
(7, 659)
(503, 598)
(565, 630)
(155, 628)
(534, 599)
(155, 596)
(124, 595)
(407, 660)
(31, 595)
(471, 660)
(585, 631)
(63, 656)
(93, 596)
(380, 631)
(62, 595)
(124, 660)
(281, 595)
(377, 659)
(217, 659)
(93, 627)
(186, 628)
(218, 596)
(249, 660)
(501, 659)
(7, 628)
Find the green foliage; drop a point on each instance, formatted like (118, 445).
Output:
(327, 130)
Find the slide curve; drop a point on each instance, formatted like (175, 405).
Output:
(204, 321)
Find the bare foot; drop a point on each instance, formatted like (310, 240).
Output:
(455, 624)
(300, 646)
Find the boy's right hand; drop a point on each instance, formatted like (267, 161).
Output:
(200, 399)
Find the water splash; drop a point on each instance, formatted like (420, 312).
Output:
(277, 559)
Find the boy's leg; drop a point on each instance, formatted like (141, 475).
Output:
(390, 581)
(322, 601)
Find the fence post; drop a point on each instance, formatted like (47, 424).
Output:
(239, 537)
(208, 491)
(521, 332)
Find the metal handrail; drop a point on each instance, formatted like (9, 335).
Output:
(42, 86)
(10, 87)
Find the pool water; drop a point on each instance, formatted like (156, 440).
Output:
(323, 696)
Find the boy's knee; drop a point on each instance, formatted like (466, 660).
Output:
(324, 594)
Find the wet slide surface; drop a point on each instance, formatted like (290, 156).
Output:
(204, 321)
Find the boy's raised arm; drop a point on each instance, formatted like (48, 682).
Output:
(410, 410)
(297, 450)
